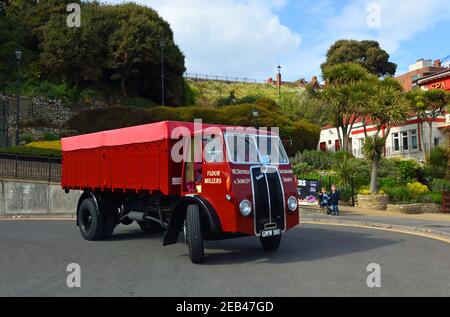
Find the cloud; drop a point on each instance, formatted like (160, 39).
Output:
(229, 37)
(247, 38)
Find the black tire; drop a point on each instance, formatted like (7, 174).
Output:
(194, 234)
(270, 244)
(151, 227)
(91, 225)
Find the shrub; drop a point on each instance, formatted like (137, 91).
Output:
(365, 191)
(440, 185)
(49, 136)
(297, 136)
(26, 138)
(435, 198)
(398, 194)
(390, 181)
(302, 169)
(437, 163)
(138, 103)
(408, 168)
(317, 159)
(47, 145)
(417, 190)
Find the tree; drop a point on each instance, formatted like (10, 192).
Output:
(365, 53)
(386, 107)
(434, 102)
(345, 95)
(117, 48)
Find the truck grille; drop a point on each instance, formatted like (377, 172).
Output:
(268, 198)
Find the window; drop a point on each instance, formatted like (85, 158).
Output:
(414, 139)
(396, 140)
(252, 149)
(212, 149)
(405, 141)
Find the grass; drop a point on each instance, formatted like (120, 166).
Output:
(207, 93)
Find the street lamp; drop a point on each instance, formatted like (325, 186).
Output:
(255, 114)
(162, 45)
(18, 53)
(279, 82)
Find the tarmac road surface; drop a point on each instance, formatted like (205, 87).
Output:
(313, 260)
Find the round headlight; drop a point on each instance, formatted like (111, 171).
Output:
(292, 203)
(245, 207)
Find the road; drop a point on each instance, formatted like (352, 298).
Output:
(313, 261)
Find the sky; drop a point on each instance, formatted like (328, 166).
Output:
(250, 38)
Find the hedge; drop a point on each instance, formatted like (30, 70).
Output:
(298, 136)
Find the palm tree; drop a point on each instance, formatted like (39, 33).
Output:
(346, 95)
(386, 107)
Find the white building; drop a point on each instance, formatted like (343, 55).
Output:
(411, 140)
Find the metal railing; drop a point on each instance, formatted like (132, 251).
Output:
(225, 79)
(30, 168)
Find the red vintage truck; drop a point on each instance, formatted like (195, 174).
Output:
(210, 182)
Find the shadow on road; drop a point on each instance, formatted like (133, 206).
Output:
(302, 244)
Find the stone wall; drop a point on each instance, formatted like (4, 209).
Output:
(32, 198)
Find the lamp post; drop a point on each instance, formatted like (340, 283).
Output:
(18, 53)
(255, 114)
(279, 82)
(162, 45)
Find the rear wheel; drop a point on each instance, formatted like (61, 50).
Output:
(270, 244)
(89, 220)
(194, 234)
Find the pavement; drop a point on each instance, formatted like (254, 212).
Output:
(314, 260)
(433, 225)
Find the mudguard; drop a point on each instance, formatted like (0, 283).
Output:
(179, 215)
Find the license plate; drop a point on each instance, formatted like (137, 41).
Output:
(270, 233)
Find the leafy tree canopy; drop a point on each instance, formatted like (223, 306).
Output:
(117, 46)
(368, 54)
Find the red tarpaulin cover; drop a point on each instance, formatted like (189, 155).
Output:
(132, 135)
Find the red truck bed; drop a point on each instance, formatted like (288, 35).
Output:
(135, 159)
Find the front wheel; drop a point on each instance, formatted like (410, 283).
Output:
(194, 234)
(270, 244)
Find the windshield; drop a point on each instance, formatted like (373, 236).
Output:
(255, 149)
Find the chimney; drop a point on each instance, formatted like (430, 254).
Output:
(437, 63)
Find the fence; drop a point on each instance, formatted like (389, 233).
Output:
(347, 192)
(30, 168)
(225, 79)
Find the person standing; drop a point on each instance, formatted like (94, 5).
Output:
(334, 201)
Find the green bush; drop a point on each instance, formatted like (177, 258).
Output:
(26, 138)
(389, 168)
(437, 163)
(408, 168)
(440, 185)
(433, 197)
(297, 136)
(302, 169)
(398, 194)
(49, 136)
(390, 181)
(31, 151)
(138, 103)
(317, 159)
